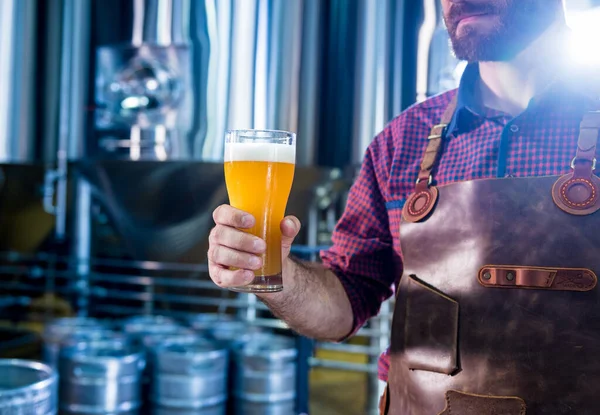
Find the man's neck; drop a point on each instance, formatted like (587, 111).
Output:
(509, 86)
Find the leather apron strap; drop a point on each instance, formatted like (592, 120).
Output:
(578, 192)
(421, 202)
(434, 146)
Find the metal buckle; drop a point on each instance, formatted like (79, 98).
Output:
(575, 159)
(442, 126)
(429, 181)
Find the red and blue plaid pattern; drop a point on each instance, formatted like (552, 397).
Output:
(365, 254)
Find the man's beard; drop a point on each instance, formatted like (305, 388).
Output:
(517, 23)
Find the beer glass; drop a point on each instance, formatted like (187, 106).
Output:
(259, 170)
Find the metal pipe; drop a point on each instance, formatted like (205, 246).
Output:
(73, 99)
(145, 280)
(99, 292)
(130, 264)
(425, 36)
(83, 241)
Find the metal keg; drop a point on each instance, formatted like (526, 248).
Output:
(212, 410)
(233, 332)
(27, 387)
(58, 330)
(147, 330)
(189, 375)
(100, 377)
(153, 340)
(265, 371)
(150, 342)
(138, 327)
(244, 407)
(93, 336)
(139, 323)
(203, 322)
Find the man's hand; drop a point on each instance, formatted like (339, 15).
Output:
(231, 247)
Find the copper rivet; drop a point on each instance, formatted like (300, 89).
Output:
(510, 276)
(487, 276)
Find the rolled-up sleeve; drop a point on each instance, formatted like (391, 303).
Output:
(362, 253)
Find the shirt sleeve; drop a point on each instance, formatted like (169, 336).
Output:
(362, 253)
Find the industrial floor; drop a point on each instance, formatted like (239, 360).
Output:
(334, 392)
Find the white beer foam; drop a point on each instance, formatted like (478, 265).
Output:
(274, 152)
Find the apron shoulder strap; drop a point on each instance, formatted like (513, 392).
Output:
(588, 139)
(434, 144)
(578, 192)
(421, 202)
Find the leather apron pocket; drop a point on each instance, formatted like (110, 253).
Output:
(431, 329)
(460, 403)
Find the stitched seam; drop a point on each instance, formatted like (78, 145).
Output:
(589, 201)
(412, 201)
(522, 403)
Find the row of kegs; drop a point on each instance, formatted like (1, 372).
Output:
(207, 365)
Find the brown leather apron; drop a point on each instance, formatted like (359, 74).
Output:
(498, 311)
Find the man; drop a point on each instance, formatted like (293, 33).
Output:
(484, 200)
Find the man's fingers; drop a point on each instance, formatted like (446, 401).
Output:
(236, 239)
(224, 277)
(290, 226)
(228, 257)
(230, 216)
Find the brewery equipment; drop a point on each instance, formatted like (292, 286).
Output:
(27, 387)
(189, 375)
(100, 377)
(265, 375)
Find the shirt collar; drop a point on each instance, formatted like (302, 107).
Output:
(562, 93)
(466, 99)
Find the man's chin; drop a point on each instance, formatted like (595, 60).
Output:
(478, 47)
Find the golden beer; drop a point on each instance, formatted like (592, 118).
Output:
(259, 176)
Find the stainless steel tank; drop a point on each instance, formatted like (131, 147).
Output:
(265, 378)
(100, 378)
(27, 388)
(145, 91)
(189, 375)
(18, 44)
